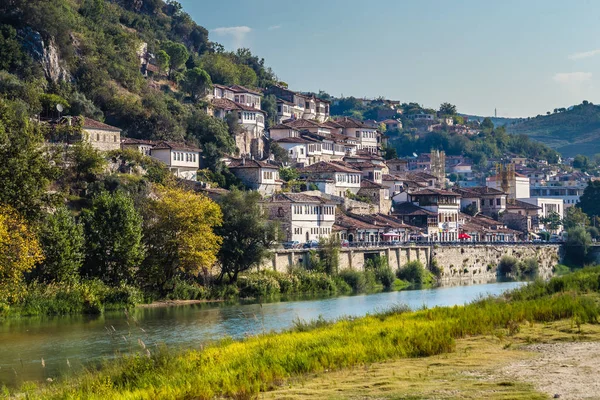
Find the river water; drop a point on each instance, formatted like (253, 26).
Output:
(67, 344)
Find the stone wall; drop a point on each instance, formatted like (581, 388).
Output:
(464, 263)
(481, 261)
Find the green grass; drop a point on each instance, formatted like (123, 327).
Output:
(242, 369)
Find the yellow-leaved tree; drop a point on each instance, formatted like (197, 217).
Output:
(180, 236)
(19, 252)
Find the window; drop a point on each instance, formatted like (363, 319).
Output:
(357, 134)
(115, 138)
(498, 201)
(482, 203)
(279, 109)
(97, 137)
(491, 202)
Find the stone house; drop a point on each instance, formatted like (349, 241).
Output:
(377, 193)
(521, 216)
(257, 175)
(101, 136)
(301, 217)
(485, 200)
(368, 136)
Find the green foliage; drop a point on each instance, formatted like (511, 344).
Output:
(196, 82)
(552, 222)
(577, 246)
(383, 272)
(589, 202)
(26, 168)
(447, 109)
(62, 243)
(269, 105)
(415, 273)
(575, 217)
(329, 251)
(582, 162)
(178, 55)
(508, 266)
(289, 174)
(113, 232)
(279, 153)
(213, 136)
(246, 231)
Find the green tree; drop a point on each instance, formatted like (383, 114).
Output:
(589, 202)
(269, 105)
(178, 55)
(62, 244)
(246, 231)
(213, 136)
(487, 125)
(575, 217)
(163, 60)
(577, 246)
(552, 222)
(113, 233)
(196, 82)
(26, 167)
(279, 153)
(288, 174)
(582, 162)
(447, 109)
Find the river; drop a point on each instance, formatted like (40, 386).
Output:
(67, 344)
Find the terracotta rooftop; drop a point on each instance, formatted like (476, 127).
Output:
(477, 191)
(368, 184)
(93, 124)
(515, 204)
(410, 209)
(298, 198)
(175, 146)
(434, 192)
(248, 163)
(294, 140)
(137, 141)
(324, 166)
(352, 123)
(228, 105)
(242, 89)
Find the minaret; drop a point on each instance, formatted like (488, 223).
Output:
(495, 113)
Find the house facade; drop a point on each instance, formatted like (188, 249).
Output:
(182, 160)
(332, 178)
(257, 175)
(101, 136)
(482, 199)
(302, 217)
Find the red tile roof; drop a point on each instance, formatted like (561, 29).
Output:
(246, 163)
(175, 146)
(93, 124)
(324, 166)
(228, 105)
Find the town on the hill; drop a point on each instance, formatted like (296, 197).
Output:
(322, 175)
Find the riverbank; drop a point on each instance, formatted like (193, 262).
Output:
(93, 297)
(265, 362)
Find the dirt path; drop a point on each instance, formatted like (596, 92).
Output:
(570, 370)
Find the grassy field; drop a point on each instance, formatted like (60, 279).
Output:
(245, 369)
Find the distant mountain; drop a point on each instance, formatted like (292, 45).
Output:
(498, 121)
(572, 131)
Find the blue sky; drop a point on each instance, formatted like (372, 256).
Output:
(523, 57)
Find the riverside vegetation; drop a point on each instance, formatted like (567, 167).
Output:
(242, 369)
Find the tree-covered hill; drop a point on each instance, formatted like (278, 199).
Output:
(570, 131)
(84, 55)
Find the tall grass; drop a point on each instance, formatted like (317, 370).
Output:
(242, 369)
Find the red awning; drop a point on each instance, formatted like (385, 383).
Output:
(464, 236)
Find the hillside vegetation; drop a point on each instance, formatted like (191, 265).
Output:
(571, 132)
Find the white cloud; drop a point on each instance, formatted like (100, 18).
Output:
(584, 54)
(572, 78)
(274, 27)
(237, 33)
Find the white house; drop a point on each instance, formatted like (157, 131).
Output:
(332, 178)
(181, 159)
(143, 146)
(547, 206)
(302, 217)
(367, 135)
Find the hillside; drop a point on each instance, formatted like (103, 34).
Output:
(571, 132)
(497, 121)
(87, 54)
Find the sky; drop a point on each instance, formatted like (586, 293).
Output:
(521, 57)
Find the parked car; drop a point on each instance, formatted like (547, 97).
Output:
(311, 244)
(294, 244)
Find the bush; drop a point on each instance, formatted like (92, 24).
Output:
(561, 269)
(258, 284)
(184, 290)
(529, 267)
(355, 279)
(436, 270)
(413, 272)
(508, 265)
(383, 274)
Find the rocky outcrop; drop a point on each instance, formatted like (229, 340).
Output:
(47, 54)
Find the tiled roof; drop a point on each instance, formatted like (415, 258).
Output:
(297, 198)
(382, 220)
(294, 140)
(332, 124)
(246, 163)
(348, 222)
(368, 184)
(137, 141)
(93, 124)
(410, 209)
(515, 204)
(175, 146)
(352, 123)
(477, 191)
(282, 126)
(324, 166)
(226, 104)
(303, 123)
(433, 192)
(242, 89)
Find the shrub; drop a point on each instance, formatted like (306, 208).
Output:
(382, 271)
(529, 267)
(187, 290)
(436, 270)
(258, 284)
(413, 272)
(508, 265)
(355, 279)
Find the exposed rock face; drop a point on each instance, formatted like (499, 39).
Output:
(46, 54)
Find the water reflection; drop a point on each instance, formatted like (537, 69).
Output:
(85, 340)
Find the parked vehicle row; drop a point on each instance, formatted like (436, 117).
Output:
(313, 244)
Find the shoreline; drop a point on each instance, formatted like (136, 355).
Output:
(172, 303)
